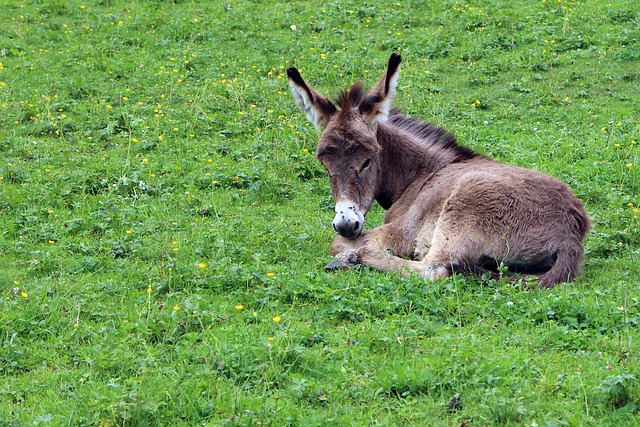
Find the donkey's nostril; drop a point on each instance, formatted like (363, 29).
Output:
(356, 225)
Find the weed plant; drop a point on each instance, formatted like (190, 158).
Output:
(164, 224)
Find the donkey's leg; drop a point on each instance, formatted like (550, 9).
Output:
(341, 244)
(384, 261)
(346, 252)
(439, 264)
(455, 246)
(374, 257)
(371, 249)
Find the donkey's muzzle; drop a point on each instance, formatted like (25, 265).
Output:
(349, 220)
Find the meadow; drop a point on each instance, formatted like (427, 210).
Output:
(164, 224)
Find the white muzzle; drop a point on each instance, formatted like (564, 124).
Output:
(349, 220)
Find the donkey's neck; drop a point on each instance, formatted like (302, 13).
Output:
(406, 159)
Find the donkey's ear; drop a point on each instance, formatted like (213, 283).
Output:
(317, 107)
(379, 102)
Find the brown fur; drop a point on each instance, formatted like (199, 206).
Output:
(449, 209)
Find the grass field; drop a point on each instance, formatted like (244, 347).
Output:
(164, 223)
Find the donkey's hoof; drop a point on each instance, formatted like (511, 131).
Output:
(343, 261)
(337, 264)
(433, 272)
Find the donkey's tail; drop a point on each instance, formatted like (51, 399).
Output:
(565, 269)
(569, 254)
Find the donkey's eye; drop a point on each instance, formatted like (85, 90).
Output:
(365, 165)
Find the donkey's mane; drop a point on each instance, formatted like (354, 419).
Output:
(431, 135)
(356, 97)
(428, 133)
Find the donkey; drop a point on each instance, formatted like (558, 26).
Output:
(448, 209)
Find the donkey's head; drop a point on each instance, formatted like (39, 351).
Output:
(348, 147)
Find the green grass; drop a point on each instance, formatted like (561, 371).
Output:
(161, 208)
